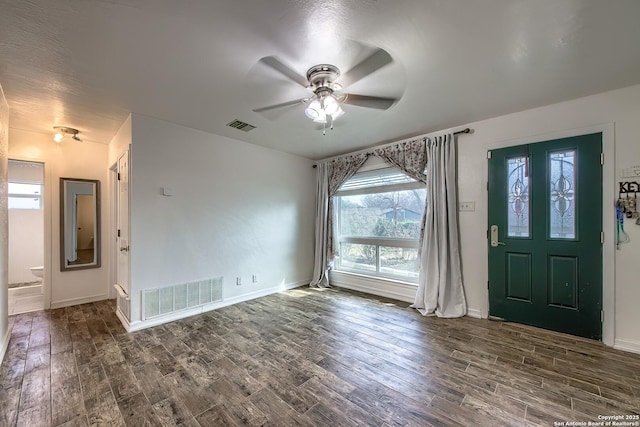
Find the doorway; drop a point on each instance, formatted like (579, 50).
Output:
(545, 234)
(26, 206)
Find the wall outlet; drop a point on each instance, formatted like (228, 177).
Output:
(238, 281)
(254, 278)
(467, 206)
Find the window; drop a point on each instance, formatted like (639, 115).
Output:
(379, 214)
(25, 195)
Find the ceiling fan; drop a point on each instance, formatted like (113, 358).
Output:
(327, 84)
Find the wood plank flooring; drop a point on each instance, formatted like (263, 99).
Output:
(306, 357)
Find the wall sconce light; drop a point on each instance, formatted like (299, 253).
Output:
(62, 131)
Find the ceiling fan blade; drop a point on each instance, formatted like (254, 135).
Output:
(282, 104)
(373, 62)
(274, 63)
(370, 101)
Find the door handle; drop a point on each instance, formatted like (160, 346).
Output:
(124, 249)
(494, 237)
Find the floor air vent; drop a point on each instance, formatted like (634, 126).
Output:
(241, 125)
(163, 301)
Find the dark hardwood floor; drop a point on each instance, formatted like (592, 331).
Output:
(307, 357)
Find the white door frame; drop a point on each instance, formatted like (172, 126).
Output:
(47, 206)
(113, 228)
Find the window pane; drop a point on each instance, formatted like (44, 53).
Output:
(396, 214)
(21, 188)
(376, 178)
(358, 257)
(562, 218)
(399, 261)
(518, 197)
(24, 203)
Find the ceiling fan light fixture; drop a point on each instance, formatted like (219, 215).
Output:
(339, 112)
(322, 118)
(62, 131)
(330, 104)
(324, 106)
(314, 110)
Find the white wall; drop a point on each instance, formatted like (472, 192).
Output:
(120, 142)
(26, 244)
(237, 209)
(4, 227)
(69, 159)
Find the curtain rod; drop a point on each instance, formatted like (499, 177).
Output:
(465, 130)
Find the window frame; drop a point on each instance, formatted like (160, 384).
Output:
(378, 242)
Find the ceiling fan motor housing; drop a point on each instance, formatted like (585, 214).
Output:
(321, 78)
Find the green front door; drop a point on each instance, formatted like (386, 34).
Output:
(545, 223)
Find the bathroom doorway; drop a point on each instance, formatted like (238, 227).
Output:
(26, 236)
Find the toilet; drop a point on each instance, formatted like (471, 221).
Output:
(37, 271)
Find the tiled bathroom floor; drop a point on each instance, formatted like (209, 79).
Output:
(26, 300)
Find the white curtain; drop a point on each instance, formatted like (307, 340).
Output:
(320, 263)
(440, 288)
(330, 177)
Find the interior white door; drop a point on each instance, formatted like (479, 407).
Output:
(122, 273)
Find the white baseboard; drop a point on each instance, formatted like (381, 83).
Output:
(631, 346)
(123, 320)
(374, 286)
(77, 301)
(143, 324)
(25, 290)
(474, 312)
(4, 345)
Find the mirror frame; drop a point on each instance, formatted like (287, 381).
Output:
(96, 237)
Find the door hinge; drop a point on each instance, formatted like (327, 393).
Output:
(487, 284)
(602, 237)
(602, 316)
(488, 154)
(487, 185)
(602, 158)
(118, 233)
(118, 176)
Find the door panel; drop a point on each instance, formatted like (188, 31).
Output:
(122, 273)
(518, 276)
(563, 281)
(545, 217)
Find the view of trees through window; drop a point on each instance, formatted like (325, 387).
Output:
(379, 232)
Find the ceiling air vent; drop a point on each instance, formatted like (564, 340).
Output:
(241, 125)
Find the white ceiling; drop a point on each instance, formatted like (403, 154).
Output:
(88, 63)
